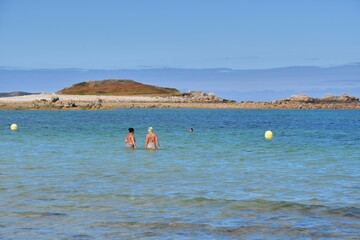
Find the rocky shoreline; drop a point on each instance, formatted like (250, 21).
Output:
(185, 100)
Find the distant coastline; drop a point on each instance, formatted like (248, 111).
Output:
(195, 100)
(15, 94)
(123, 93)
(238, 84)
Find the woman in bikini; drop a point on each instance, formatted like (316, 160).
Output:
(151, 141)
(130, 139)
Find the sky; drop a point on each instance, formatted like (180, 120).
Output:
(184, 34)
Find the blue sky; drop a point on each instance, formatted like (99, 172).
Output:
(238, 34)
(186, 34)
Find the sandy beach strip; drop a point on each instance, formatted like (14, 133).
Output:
(43, 101)
(95, 102)
(87, 98)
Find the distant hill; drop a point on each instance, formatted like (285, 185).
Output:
(15, 94)
(117, 87)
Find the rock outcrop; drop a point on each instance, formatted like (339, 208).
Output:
(202, 97)
(341, 99)
(302, 98)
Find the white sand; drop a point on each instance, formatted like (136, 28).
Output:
(89, 98)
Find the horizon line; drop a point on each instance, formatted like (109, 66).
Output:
(11, 68)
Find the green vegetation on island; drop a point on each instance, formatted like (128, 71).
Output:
(118, 87)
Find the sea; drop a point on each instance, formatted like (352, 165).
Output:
(68, 174)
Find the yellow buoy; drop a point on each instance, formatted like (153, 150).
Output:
(268, 135)
(13, 127)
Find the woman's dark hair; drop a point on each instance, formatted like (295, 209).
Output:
(131, 130)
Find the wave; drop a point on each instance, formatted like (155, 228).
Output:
(160, 217)
(256, 205)
(196, 218)
(277, 206)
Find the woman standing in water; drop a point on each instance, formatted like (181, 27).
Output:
(151, 141)
(130, 138)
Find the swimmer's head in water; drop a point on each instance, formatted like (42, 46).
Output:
(131, 130)
(150, 129)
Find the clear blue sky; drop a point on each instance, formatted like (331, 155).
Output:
(133, 34)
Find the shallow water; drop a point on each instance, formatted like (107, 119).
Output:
(67, 175)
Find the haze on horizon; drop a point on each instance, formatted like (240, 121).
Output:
(237, 49)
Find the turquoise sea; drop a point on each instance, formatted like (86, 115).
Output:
(68, 175)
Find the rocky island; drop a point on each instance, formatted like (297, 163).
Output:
(118, 87)
(120, 93)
